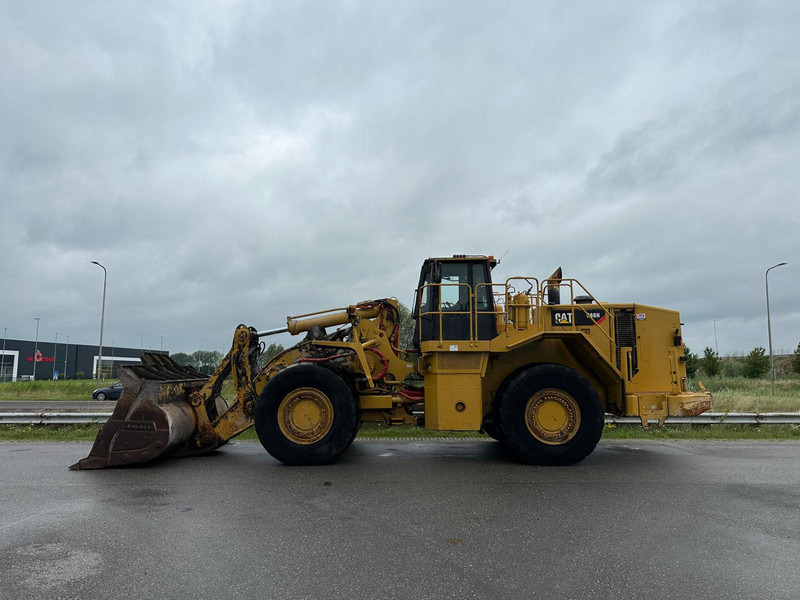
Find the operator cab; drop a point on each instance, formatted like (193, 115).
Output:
(454, 295)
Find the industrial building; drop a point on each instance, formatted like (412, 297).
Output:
(25, 360)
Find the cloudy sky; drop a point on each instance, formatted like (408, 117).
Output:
(235, 162)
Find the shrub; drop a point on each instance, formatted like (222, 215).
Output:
(269, 353)
(80, 375)
(181, 358)
(691, 361)
(796, 359)
(710, 363)
(756, 364)
(732, 367)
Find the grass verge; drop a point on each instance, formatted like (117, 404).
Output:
(75, 390)
(704, 432)
(48, 433)
(739, 394)
(87, 433)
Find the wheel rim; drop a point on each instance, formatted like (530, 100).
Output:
(305, 416)
(552, 416)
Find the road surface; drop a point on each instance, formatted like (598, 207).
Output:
(406, 519)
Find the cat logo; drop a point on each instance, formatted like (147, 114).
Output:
(562, 317)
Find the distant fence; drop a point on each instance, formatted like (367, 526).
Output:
(44, 418)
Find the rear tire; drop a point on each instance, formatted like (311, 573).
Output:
(550, 415)
(306, 415)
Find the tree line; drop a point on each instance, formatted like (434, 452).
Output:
(206, 361)
(753, 365)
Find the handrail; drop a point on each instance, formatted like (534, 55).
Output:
(532, 308)
(492, 309)
(441, 313)
(569, 283)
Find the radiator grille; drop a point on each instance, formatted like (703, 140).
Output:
(625, 335)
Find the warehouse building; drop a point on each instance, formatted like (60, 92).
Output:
(25, 360)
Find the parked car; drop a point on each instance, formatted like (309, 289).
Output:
(108, 393)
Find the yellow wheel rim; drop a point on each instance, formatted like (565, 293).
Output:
(305, 416)
(552, 416)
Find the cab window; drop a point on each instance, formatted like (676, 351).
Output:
(482, 292)
(455, 297)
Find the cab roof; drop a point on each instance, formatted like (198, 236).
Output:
(465, 257)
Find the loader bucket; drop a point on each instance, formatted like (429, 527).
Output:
(153, 417)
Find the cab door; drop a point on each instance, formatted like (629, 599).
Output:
(426, 324)
(461, 299)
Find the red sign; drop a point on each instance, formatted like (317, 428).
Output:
(40, 358)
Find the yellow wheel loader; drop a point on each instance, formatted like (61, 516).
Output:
(534, 364)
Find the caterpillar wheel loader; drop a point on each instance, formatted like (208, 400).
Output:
(534, 364)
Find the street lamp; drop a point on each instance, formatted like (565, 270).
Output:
(769, 326)
(716, 344)
(102, 318)
(66, 357)
(162, 343)
(35, 348)
(55, 354)
(3, 364)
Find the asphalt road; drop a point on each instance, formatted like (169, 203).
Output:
(56, 406)
(410, 519)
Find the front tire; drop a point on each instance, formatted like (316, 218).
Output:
(551, 415)
(101, 397)
(493, 431)
(306, 415)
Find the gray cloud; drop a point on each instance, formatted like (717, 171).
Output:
(239, 163)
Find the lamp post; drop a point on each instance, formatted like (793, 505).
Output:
(769, 326)
(66, 357)
(3, 358)
(102, 318)
(55, 354)
(35, 348)
(716, 344)
(161, 348)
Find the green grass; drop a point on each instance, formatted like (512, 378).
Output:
(75, 390)
(87, 433)
(739, 394)
(704, 432)
(48, 433)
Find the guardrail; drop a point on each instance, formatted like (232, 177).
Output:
(730, 418)
(44, 418)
